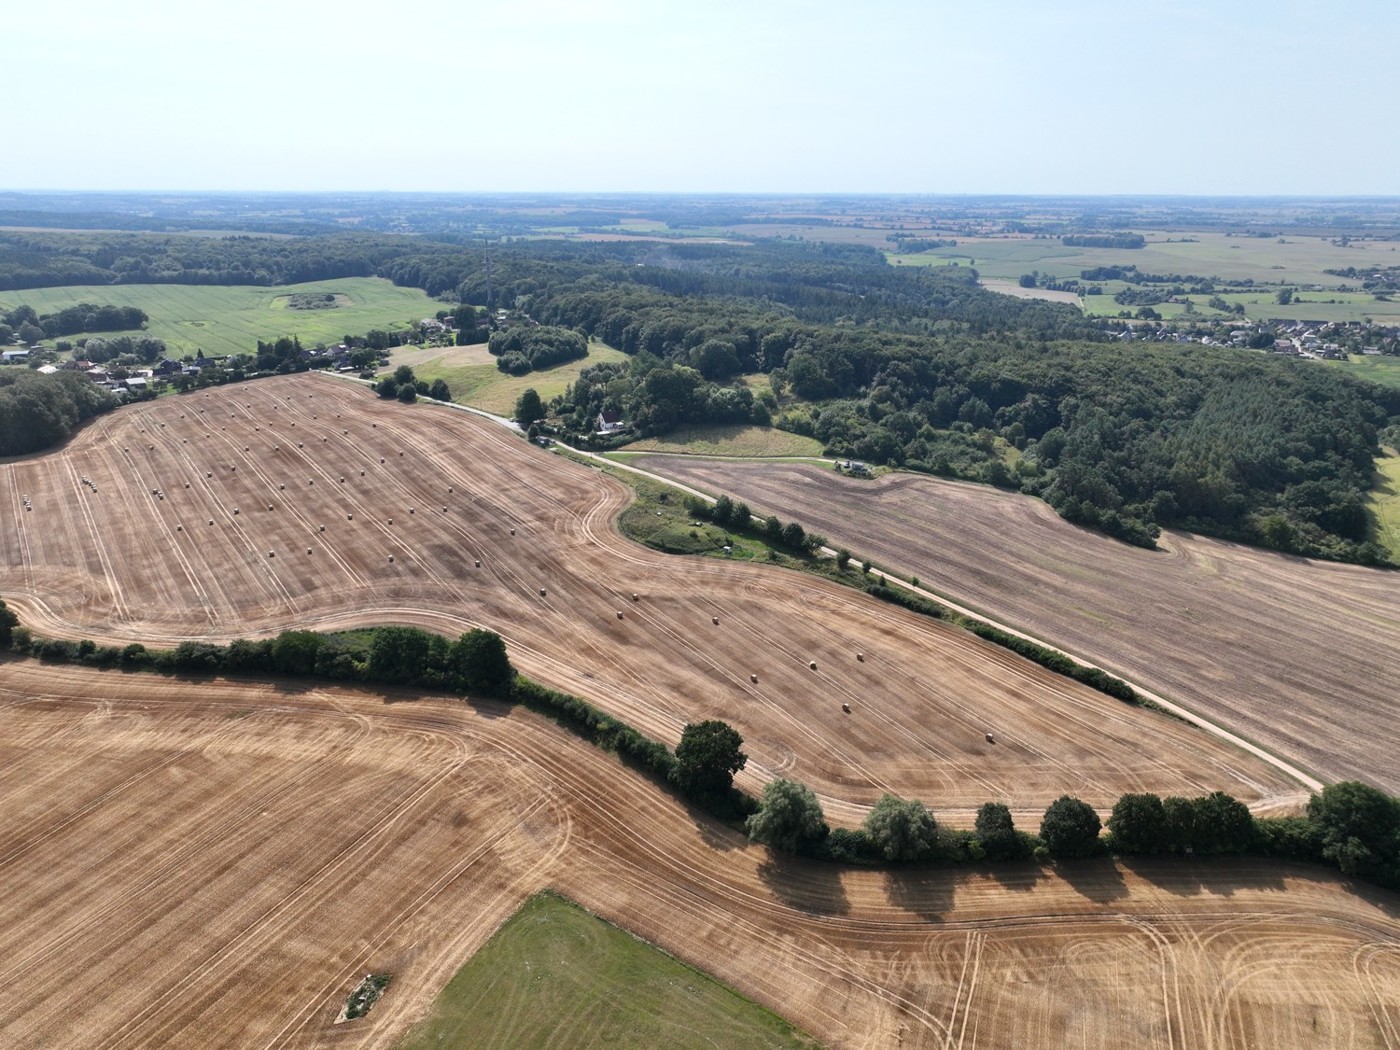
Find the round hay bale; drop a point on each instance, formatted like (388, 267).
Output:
(300, 444)
(991, 739)
(179, 528)
(860, 657)
(345, 431)
(753, 678)
(281, 488)
(478, 563)
(636, 597)
(150, 448)
(449, 488)
(320, 528)
(271, 554)
(235, 510)
(381, 459)
(391, 521)
(375, 425)
(349, 517)
(512, 532)
(245, 448)
(846, 708)
(187, 484)
(362, 473)
(391, 557)
(813, 665)
(308, 550)
(541, 592)
(342, 480)
(276, 448)
(444, 510)
(410, 510)
(269, 506)
(400, 455)
(714, 620)
(211, 521)
(208, 473)
(619, 614)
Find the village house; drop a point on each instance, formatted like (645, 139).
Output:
(610, 421)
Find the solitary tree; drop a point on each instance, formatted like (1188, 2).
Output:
(708, 756)
(789, 817)
(528, 407)
(1070, 828)
(901, 830)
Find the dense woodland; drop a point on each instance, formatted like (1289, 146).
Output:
(910, 366)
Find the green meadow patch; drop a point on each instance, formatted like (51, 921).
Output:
(555, 975)
(1384, 503)
(230, 319)
(731, 439)
(479, 383)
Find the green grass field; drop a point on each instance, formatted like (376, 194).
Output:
(231, 319)
(1382, 370)
(471, 373)
(554, 975)
(1384, 503)
(731, 439)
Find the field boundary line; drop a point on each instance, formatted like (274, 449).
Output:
(1304, 778)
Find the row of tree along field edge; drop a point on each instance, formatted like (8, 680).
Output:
(1350, 826)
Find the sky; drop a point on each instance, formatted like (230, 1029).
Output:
(1291, 97)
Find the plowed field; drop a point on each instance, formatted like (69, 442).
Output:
(1302, 656)
(330, 508)
(217, 863)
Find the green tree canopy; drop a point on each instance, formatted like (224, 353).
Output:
(479, 660)
(8, 622)
(789, 817)
(1360, 829)
(1139, 824)
(901, 830)
(529, 407)
(708, 756)
(1070, 828)
(997, 832)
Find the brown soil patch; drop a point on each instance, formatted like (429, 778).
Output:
(217, 863)
(1299, 655)
(123, 563)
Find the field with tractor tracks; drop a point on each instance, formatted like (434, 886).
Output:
(218, 863)
(305, 502)
(1298, 655)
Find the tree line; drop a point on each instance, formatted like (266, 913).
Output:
(1349, 826)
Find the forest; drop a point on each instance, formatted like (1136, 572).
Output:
(916, 367)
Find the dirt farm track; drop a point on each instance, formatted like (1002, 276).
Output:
(218, 864)
(330, 508)
(1300, 656)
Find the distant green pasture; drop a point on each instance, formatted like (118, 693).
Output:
(472, 376)
(1383, 370)
(1384, 503)
(230, 319)
(554, 975)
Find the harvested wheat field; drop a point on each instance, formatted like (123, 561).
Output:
(117, 547)
(1300, 655)
(217, 863)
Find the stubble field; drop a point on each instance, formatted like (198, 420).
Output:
(132, 557)
(217, 863)
(1298, 655)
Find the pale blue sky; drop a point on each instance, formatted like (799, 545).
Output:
(973, 96)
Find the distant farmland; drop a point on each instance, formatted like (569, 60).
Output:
(224, 319)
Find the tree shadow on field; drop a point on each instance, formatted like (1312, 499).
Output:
(1098, 879)
(1219, 876)
(808, 886)
(925, 891)
(714, 834)
(1015, 876)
